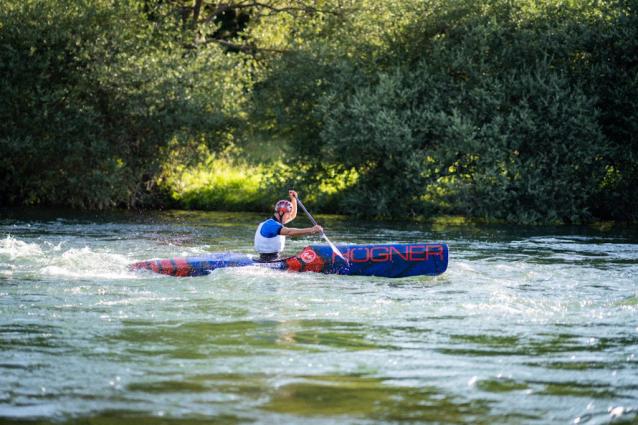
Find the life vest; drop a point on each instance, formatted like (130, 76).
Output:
(267, 237)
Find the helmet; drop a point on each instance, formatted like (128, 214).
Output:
(283, 207)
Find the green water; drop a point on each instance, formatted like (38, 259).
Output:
(529, 325)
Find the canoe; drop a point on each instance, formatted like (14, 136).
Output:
(394, 260)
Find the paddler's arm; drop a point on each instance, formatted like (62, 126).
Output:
(285, 231)
(293, 198)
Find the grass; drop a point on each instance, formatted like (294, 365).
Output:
(224, 184)
(249, 178)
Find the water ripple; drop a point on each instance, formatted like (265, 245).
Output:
(529, 325)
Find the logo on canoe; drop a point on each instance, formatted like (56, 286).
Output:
(308, 255)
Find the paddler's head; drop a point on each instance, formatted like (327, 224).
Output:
(283, 209)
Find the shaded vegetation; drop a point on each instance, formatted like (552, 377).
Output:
(502, 110)
(522, 111)
(94, 103)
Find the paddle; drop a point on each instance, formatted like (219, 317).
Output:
(334, 248)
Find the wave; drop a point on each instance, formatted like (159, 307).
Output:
(19, 258)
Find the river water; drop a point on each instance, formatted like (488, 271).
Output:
(529, 325)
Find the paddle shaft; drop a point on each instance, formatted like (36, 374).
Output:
(307, 213)
(334, 248)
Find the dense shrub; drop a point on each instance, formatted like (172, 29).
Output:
(522, 111)
(93, 102)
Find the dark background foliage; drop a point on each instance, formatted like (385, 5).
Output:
(518, 111)
(94, 102)
(523, 111)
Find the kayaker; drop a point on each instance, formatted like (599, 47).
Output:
(270, 237)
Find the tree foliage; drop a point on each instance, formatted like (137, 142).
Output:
(517, 111)
(94, 102)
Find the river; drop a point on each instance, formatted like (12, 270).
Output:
(529, 325)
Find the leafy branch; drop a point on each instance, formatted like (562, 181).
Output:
(199, 15)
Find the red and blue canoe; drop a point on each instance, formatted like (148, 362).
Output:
(394, 260)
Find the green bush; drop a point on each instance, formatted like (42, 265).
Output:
(94, 102)
(609, 67)
(521, 111)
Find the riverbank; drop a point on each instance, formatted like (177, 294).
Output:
(251, 178)
(248, 183)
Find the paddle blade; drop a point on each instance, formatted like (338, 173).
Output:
(334, 248)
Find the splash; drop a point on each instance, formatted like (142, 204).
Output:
(12, 249)
(21, 258)
(85, 262)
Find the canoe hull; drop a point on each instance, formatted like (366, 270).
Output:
(393, 260)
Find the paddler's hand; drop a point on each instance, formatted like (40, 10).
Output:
(292, 194)
(317, 228)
